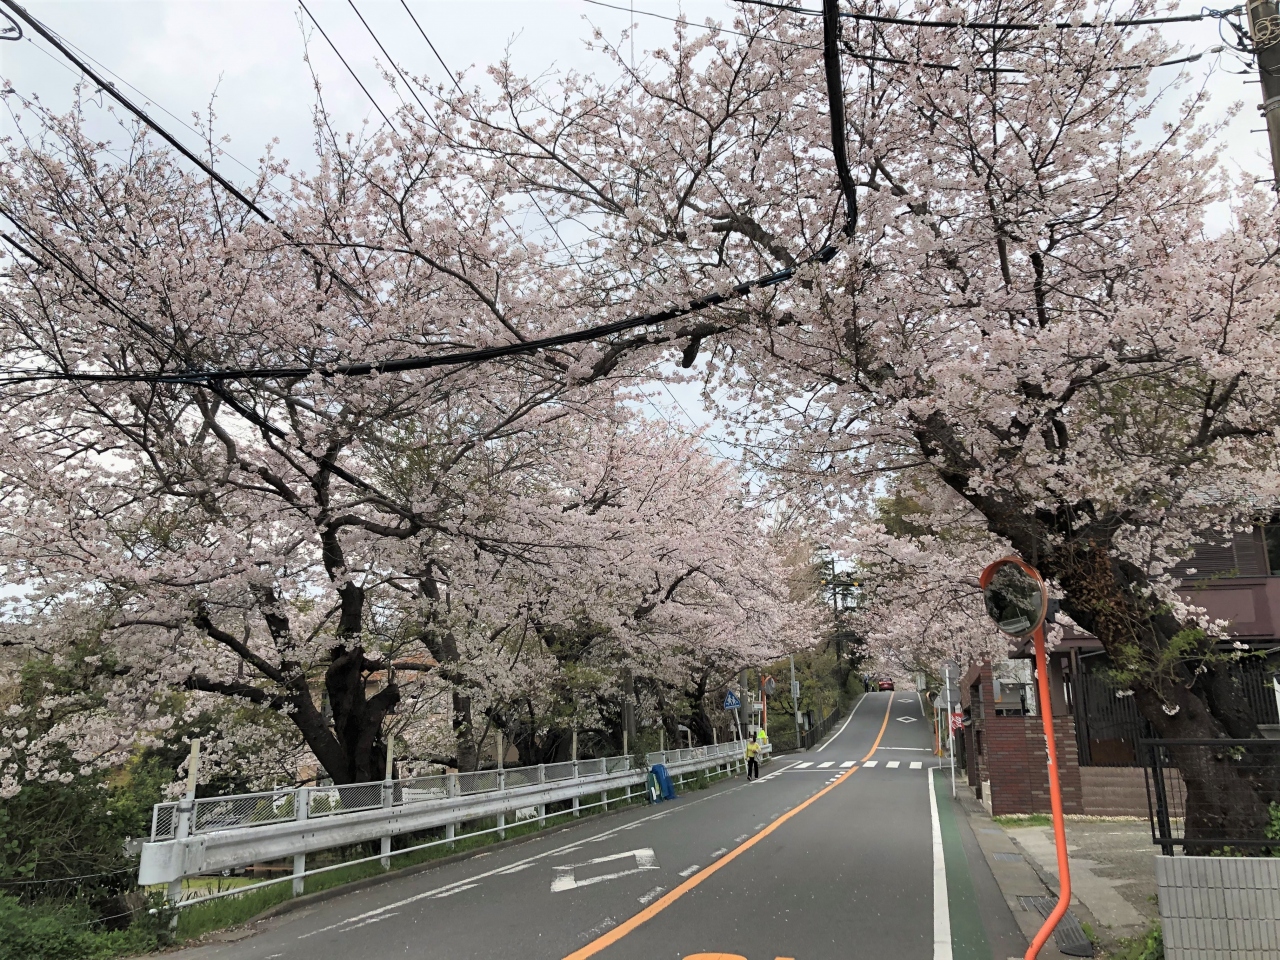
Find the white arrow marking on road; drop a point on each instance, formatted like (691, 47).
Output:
(565, 879)
(916, 764)
(908, 719)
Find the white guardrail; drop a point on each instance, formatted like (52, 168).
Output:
(213, 834)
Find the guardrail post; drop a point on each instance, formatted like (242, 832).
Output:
(451, 789)
(181, 830)
(542, 807)
(502, 817)
(388, 796)
(301, 811)
(575, 796)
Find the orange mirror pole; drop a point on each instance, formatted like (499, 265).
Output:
(1055, 800)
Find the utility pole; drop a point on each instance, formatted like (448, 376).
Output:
(1264, 27)
(951, 733)
(628, 709)
(795, 697)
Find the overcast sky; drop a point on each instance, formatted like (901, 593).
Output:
(179, 52)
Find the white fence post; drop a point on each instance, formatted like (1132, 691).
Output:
(451, 789)
(502, 817)
(542, 807)
(301, 810)
(576, 812)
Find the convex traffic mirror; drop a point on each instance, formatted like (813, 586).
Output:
(1016, 597)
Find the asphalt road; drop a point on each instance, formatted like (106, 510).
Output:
(831, 854)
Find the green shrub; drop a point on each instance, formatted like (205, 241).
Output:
(44, 932)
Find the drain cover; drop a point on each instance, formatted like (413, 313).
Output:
(1008, 857)
(1068, 934)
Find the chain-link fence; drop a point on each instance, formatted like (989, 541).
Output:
(244, 810)
(1205, 795)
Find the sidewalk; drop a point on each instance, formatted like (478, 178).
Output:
(1112, 872)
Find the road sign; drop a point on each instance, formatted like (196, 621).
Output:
(957, 721)
(731, 701)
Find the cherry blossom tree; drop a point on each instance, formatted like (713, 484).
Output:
(301, 542)
(1050, 298)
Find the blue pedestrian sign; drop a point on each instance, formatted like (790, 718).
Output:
(731, 701)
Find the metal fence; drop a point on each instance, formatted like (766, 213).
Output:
(1206, 795)
(212, 814)
(214, 834)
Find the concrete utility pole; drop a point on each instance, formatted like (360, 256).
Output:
(951, 733)
(1264, 27)
(628, 708)
(795, 697)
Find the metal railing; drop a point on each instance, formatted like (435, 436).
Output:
(1206, 795)
(213, 834)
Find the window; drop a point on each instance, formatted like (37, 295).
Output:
(1271, 536)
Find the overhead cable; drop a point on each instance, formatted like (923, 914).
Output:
(169, 138)
(855, 54)
(458, 358)
(354, 75)
(985, 25)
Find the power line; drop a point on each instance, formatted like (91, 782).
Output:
(354, 76)
(854, 54)
(169, 138)
(459, 358)
(981, 25)
(391, 60)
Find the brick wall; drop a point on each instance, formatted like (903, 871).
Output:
(1013, 756)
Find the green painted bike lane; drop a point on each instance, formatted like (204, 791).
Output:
(968, 938)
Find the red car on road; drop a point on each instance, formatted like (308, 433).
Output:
(884, 683)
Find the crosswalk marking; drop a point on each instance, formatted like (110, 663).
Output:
(916, 764)
(871, 763)
(828, 763)
(892, 764)
(807, 763)
(846, 765)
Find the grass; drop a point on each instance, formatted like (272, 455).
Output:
(1147, 947)
(230, 911)
(1028, 820)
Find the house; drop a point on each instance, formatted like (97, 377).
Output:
(1096, 728)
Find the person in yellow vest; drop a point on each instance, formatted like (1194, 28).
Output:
(753, 758)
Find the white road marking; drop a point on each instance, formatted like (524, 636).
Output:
(741, 838)
(375, 920)
(846, 765)
(870, 763)
(893, 764)
(842, 726)
(916, 749)
(516, 869)
(916, 764)
(652, 894)
(720, 853)
(557, 851)
(941, 905)
(804, 766)
(599, 928)
(447, 893)
(759, 827)
(565, 874)
(826, 763)
(904, 699)
(908, 719)
(690, 871)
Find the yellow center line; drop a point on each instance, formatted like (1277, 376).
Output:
(655, 908)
